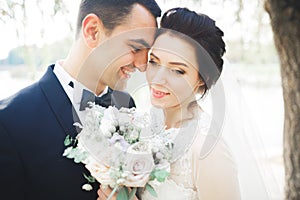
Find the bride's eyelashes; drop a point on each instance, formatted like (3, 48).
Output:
(153, 63)
(178, 71)
(172, 69)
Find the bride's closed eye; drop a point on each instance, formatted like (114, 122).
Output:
(153, 63)
(178, 71)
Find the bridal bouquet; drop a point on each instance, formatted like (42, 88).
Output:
(122, 148)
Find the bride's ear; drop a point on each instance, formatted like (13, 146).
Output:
(199, 86)
(93, 30)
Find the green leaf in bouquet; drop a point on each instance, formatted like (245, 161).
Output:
(68, 140)
(159, 175)
(67, 151)
(75, 153)
(80, 156)
(123, 194)
(132, 193)
(151, 190)
(90, 179)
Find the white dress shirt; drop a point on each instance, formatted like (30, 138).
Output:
(74, 93)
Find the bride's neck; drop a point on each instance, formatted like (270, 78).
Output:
(175, 116)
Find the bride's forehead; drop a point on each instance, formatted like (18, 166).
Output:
(168, 46)
(171, 42)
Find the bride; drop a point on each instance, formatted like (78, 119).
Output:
(176, 74)
(179, 69)
(185, 62)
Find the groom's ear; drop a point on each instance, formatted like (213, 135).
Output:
(93, 30)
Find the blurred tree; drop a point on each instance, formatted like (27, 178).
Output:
(285, 21)
(16, 12)
(48, 53)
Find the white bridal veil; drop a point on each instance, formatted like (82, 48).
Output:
(240, 132)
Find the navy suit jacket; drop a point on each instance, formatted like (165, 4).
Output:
(33, 125)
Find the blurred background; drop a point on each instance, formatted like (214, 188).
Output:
(36, 33)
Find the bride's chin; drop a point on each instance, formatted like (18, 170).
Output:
(157, 104)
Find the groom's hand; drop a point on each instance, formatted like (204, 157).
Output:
(103, 193)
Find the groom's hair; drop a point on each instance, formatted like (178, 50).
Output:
(113, 12)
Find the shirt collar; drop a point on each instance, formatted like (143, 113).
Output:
(64, 77)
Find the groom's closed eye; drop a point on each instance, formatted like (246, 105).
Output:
(135, 49)
(141, 42)
(137, 45)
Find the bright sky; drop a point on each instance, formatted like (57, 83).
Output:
(222, 11)
(56, 29)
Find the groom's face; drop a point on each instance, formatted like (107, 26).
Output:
(127, 48)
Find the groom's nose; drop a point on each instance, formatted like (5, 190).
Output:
(140, 61)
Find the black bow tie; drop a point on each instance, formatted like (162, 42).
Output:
(87, 96)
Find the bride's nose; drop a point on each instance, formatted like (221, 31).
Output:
(160, 76)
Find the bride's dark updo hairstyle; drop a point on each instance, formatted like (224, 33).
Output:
(204, 32)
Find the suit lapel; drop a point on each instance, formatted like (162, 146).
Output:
(59, 102)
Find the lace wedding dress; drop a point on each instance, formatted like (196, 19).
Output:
(213, 177)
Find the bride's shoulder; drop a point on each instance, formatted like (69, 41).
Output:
(210, 145)
(212, 155)
(209, 142)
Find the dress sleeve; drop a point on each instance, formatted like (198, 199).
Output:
(215, 176)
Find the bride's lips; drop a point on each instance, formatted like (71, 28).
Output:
(158, 93)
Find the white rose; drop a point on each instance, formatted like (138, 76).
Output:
(137, 180)
(139, 163)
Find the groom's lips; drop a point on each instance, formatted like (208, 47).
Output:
(158, 94)
(126, 71)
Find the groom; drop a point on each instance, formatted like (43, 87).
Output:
(35, 121)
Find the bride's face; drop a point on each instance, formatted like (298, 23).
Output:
(172, 72)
